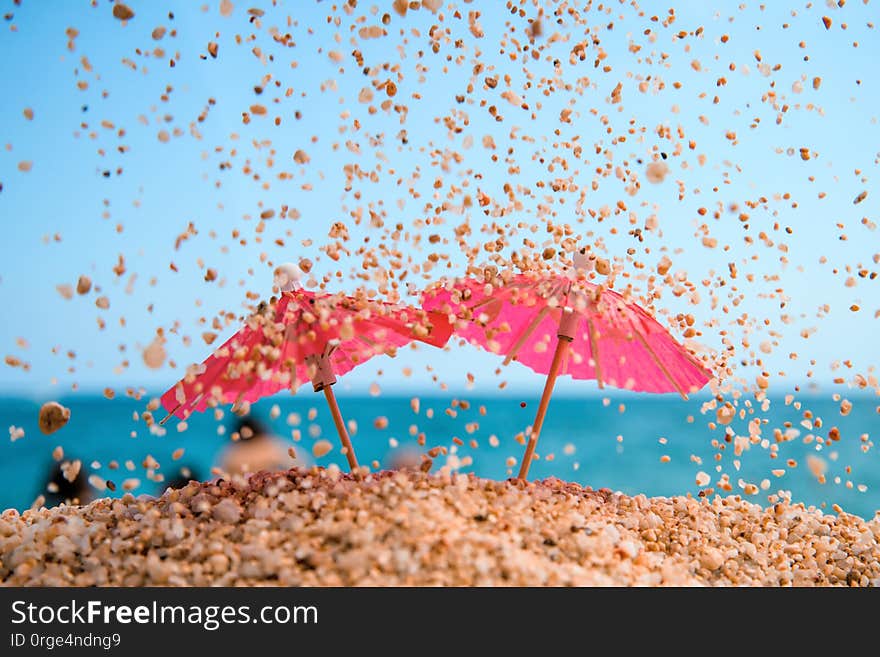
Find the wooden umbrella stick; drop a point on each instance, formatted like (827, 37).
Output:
(340, 428)
(562, 346)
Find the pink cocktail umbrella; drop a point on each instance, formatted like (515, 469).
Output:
(302, 337)
(560, 325)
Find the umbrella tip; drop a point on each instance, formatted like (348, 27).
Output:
(287, 277)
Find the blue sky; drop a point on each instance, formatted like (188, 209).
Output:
(165, 186)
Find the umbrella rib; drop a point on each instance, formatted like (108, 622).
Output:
(192, 403)
(594, 350)
(236, 405)
(500, 293)
(196, 400)
(566, 359)
(562, 287)
(498, 290)
(332, 347)
(371, 344)
(497, 297)
(659, 364)
(527, 332)
(482, 302)
(170, 415)
(691, 357)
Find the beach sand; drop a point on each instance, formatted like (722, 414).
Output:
(320, 527)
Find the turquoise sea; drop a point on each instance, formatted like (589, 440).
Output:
(592, 443)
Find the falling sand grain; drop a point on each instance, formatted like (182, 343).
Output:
(53, 416)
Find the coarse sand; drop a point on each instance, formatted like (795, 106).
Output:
(321, 527)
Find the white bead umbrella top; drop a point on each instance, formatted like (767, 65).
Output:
(287, 276)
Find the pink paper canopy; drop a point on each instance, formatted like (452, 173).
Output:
(614, 341)
(270, 352)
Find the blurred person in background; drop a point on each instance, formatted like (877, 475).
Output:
(255, 448)
(185, 475)
(408, 457)
(59, 490)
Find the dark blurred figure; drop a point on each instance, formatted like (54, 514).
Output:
(405, 458)
(58, 490)
(256, 448)
(185, 475)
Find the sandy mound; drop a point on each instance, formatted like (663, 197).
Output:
(318, 527)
